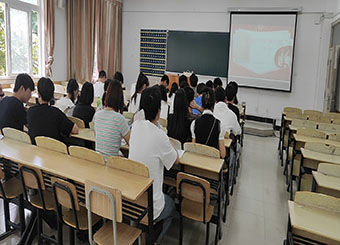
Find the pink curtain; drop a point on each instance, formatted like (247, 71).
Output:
(49, 9)
(90, 23)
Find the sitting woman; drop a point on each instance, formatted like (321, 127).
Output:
(109, 124)
(178, 122)
(66, 104)
(83, 109)
(142, 83)
(207, 129)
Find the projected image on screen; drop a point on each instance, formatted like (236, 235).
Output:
(261, 50)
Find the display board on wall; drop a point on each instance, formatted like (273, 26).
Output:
(262, 49)
(204, 53)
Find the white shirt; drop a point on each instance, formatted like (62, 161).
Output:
(171, 103)
(134, 104)
(227, 117)
(65, 105)
(164, 110)
(133, 89)
(98, 89)
(192, 127)
(151, 146)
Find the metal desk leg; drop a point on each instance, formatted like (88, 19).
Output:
(30, 230)
(218, 235)
(150, 239)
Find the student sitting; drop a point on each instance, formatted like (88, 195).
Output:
(101, 104)
(142, 83)
(165, 81)
(209, 84)
(183, 81)
(228, 118)
(207, 129)
(193, 83)
(235, 85)
(192, 104)
(67, 103)
(164, 103)
(174, 88)
(119, 77)
(198, 99)
(178, 122)
(46, 120)
(217, 82)
(151, 146)
(99, 85)
(83, 109)
(109, 124)
(12, 111)
(231, 95)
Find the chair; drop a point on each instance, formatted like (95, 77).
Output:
(59, 89)
(41, 200)
(201, 149)
(80, 123)
(91, 124)
(9, 190)
(332, 115)
(326, 179)
(329, 127)
(70, 213)
(163, 122)
(128, 116)
(17, 135)
(86, 154)
(336, 121)
(292, 109)
(51, 144)
(194, 201)
(300, 123)
(334, 137)
(176, 143)
(128, 165)
(312, 115)
(107, 203)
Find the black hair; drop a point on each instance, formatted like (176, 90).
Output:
(166, 79)
(180, 114)
(86, 95)
(106, 84)
(208, 99)
(193, 80)
(72, 86)
(150, 102)
(189, 93)
(142, 79)
(183, 81)
(45, 89)
(220, 94)
(173, 89)
(230, 92)
(102, 73)
(209, 84)
(114, 96)
(163, 93)
(234, 84)
(24, 80)
(119, 76)
(200, 88)
(217, 82)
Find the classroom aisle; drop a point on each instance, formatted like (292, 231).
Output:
(258, 211)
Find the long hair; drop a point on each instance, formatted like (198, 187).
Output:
(180, 114)
(71, 87)
(86, 95)
(142, 79)
(114, 96)
(174, 88)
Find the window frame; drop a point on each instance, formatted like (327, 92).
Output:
(28, 8)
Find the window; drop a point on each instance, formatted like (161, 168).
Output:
(20, 37)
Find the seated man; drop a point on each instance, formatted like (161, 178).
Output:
(99, 85)
(231, 95)
(12, 111)
(151, 146)
(46, 120)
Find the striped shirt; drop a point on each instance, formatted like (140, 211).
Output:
(110, 127)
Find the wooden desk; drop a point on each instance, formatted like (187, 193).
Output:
(213, 165)
(132, 186)
(326, 181)
(320, 157)
(85, 134)
(227, 143)
(314, 223)
(305, 139)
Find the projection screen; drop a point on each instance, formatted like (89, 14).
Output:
(262, 49)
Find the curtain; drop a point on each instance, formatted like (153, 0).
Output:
(90, 23)
(80, 19)
(49, 38)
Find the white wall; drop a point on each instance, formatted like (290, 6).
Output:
(311, 53)
(59, 65)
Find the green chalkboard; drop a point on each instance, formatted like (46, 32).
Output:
(204, 53)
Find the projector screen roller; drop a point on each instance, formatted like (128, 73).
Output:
(262, 49)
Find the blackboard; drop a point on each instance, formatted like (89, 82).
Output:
(204, 53)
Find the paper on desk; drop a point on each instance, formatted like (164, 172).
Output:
(180, 153)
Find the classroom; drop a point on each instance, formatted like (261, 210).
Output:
(170, 122)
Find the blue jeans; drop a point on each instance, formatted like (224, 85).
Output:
(166, 215)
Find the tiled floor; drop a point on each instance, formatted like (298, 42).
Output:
(257, 213)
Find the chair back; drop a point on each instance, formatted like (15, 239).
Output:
(320, 147)
(163, 122)
(312, 115)
(325, 120)
(332, 115)
(202, 149)
(334, 137)
(17, 135)
(336, 121)
(59, 89)
(80, 123)
(310, 132)
(329, 169)
(301, 123)
(128, 116)
(65, 194)
(329, 127)
(176, 143)
(91, 124)
(292, 109)
(294, 114)
(86, 154)
(32, 177)
(51, 144)
(2, 175)
(317, 200)
(128, 165)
